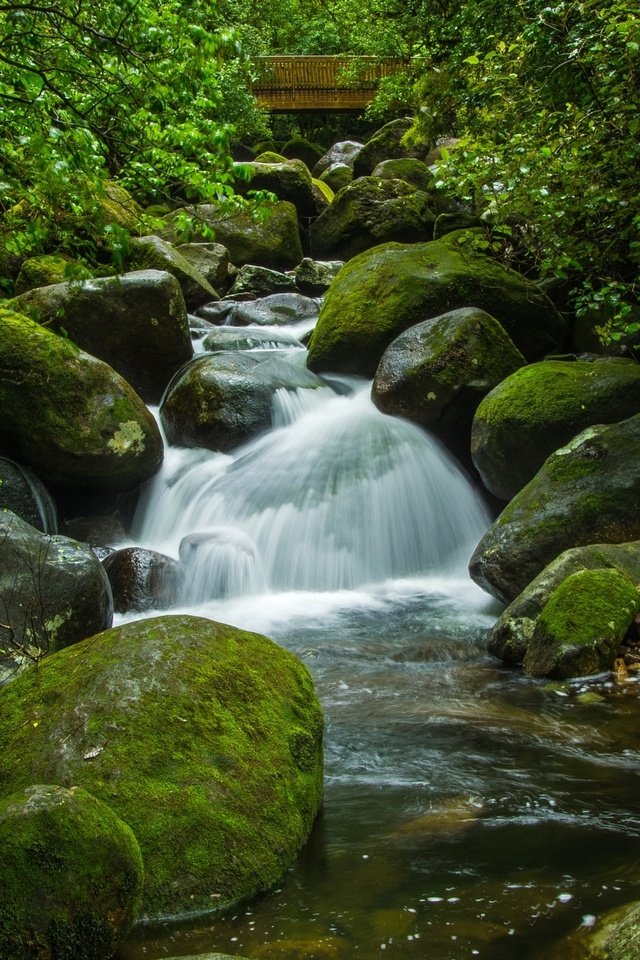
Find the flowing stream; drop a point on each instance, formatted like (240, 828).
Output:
(469, 812)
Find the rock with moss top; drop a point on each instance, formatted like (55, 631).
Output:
(153, 253)
(22, 492)
(137, 323)
(211, 260)
(270, 156)
(368, 212)
(290, 181)
(342, 153)
(53, 592)
(271, 240)
(436, 373)
(261, 281)
(70, 873)
(581, 626)
(314, 277)
(337, 177)
(44, 270)
(90, 430)
(586, 492)
(221, 400)
(540, 408)
(301, 148)
(118, 207)
(513, 630)
(204, 739)
(387, 143)
(384, 291)
(409, 169)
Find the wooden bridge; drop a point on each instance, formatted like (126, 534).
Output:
(287, 84)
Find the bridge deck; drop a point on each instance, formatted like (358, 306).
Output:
(287, 83)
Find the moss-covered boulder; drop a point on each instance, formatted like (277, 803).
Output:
(301, 148)
(314, 277)
(269, 241)
(117, 206)
(580, 628)
(409, 169)
(221, 400)
(53, 592)
(586, 492)
(387, 143)
(154, 253)
(204, 739)
(270, 156)
(70, 874)
(70, 416)
(390, 288)
(142, 579)
(290, 181)
(211, 260)
(337, 177)
(261, 281)
(617, 935)
(23, 493)
(540, 408)
(137, 323)
(369, 212)
(437, 372)
(513, 630)
(46, 269)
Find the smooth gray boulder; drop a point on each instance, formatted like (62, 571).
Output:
(211, 260)
(276, 310)
(344, 153)
(136, 322)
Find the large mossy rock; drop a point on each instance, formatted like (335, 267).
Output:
(385, 144)
(43, 270)
(409, 169)
(154, 253)
(221, 400)
(369, 212)
(204, 739)
(513, 630)
(390, 288)
(211, 260)
(540, 408)
(70, 875)
(69, 415)
(586, 492)
(53, 591)
(580, 628)
(272, 240)
(137, 323)
(23, 493)
(289, 180)
(437, 372)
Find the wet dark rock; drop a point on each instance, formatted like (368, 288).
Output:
(216, 313)
(314, 277)
(248, 338)
(24, 494)
(97, 531)
(260, 281)
(211, 260)
(153, 253)
(142, 579)
(280, 309)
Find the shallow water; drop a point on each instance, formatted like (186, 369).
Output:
(468, 811)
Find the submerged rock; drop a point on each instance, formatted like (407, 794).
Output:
(70, 875)
(540, 408)
(53, 592)
(204, 739)
(248, 338)
(581, 626)
(69, 415)
(390, 288)
(137, 323)
(586, 492)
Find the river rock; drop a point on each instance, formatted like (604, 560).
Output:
(261, 281)
(337, 177)
(279, 309)
(368, 212)
(586, 492)
(137, 323)
(142, 579)
(221, 400)
(245, 338)
(211, 260)
(343, 153)
(436, 373)
(513, 630)
(46, 269)
(215, 313)
(53, 592)
(270, 241)
(581, 626)
(153, 253)
(24, 494)
(384, 291)
(290, 181)
(540, 408)
(409, 169)
(204, 739)
(385, 144)
(70, 416)
(617, 936)
(314, 277)
(70, 873)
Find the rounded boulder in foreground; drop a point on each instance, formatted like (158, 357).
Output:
(70, 875)
(205, 739)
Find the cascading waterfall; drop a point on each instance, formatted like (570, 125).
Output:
(336, 496)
